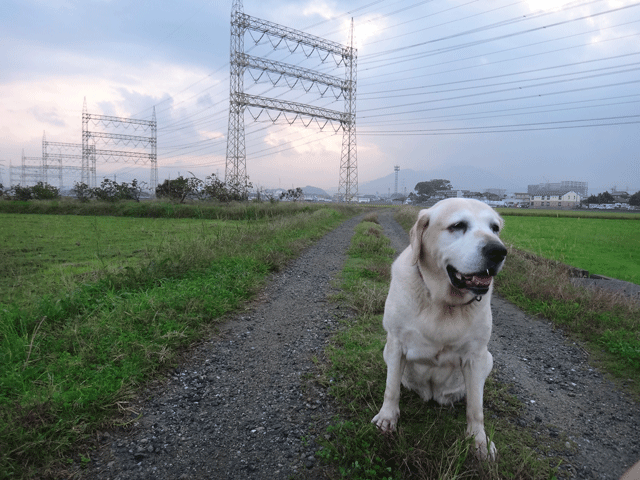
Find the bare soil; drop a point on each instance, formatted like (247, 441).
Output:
(242, 405)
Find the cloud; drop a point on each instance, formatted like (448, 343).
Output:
(48, 116)
(322, 9)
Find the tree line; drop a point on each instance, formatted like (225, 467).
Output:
(179, 189)
(423, 191)
(607, 198)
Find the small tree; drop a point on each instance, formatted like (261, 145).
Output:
(591, 199)
(44, 191)
(215, 189)
(107, 191)
(21, 193)
(177, 189)
(81, 191)
(426, 190)
(130, 192)
(635, 199)
(606, 197)
(239, 190)
(292, 194)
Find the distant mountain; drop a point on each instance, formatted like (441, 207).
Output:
(309, 190)
(461, 177)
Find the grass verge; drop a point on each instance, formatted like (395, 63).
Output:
(160, 209)
(430, 440)
(70, 363)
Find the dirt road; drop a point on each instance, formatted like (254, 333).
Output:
(241, 409)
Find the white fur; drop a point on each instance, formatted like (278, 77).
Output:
(437, 335)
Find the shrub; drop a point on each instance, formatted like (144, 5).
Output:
(112, 191)
(22, 193)
(81, 191)
(178, 189)
(44, 191)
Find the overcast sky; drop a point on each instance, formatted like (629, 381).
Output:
(530, 91)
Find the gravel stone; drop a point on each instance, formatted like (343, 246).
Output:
(243, 406)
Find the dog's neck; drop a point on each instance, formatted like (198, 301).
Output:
(477, 298)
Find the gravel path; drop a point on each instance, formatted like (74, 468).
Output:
(241, 408)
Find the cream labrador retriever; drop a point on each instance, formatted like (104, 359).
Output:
(438, 313)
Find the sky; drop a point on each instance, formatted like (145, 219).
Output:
(526, 92)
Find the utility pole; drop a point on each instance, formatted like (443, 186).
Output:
(397, 170)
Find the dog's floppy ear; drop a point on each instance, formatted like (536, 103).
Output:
(415, 235)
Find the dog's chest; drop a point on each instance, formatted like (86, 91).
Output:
(443, 351)
(438, 344)
(436, 355)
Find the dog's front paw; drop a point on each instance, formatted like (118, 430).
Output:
(484, 452)
(386, 419)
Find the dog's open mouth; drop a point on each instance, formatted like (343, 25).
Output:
(477, 283)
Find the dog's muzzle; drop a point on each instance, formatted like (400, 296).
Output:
(478, 283)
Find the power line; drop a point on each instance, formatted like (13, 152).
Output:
(492, 39)
(560, 124)
(498, 100)
(475, 116)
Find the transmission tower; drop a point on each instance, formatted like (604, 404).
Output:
(236, 170)
(55, 158)
(93, 138)
(348, 159)
(31, 171)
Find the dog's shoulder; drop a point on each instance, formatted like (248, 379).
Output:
(402, 262)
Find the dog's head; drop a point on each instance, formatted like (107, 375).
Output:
(456, 241)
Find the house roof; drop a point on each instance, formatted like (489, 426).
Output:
(553, 193)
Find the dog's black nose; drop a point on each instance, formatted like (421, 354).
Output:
(494, 252)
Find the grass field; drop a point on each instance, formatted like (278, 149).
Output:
(608, 247)
(43, 254)
(580, 213)
(85, 326)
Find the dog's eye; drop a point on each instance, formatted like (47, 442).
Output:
(458, 227)
(495, 228)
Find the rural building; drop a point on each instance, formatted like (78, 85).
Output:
(620, 196)
(581, 188)
(556, 200)
(442, 194)
(522, 199)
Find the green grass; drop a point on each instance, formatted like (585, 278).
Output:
(581, 213)
(71, 360)
(430, 440)
(602, 246)
(161, 209)
(41, 254)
